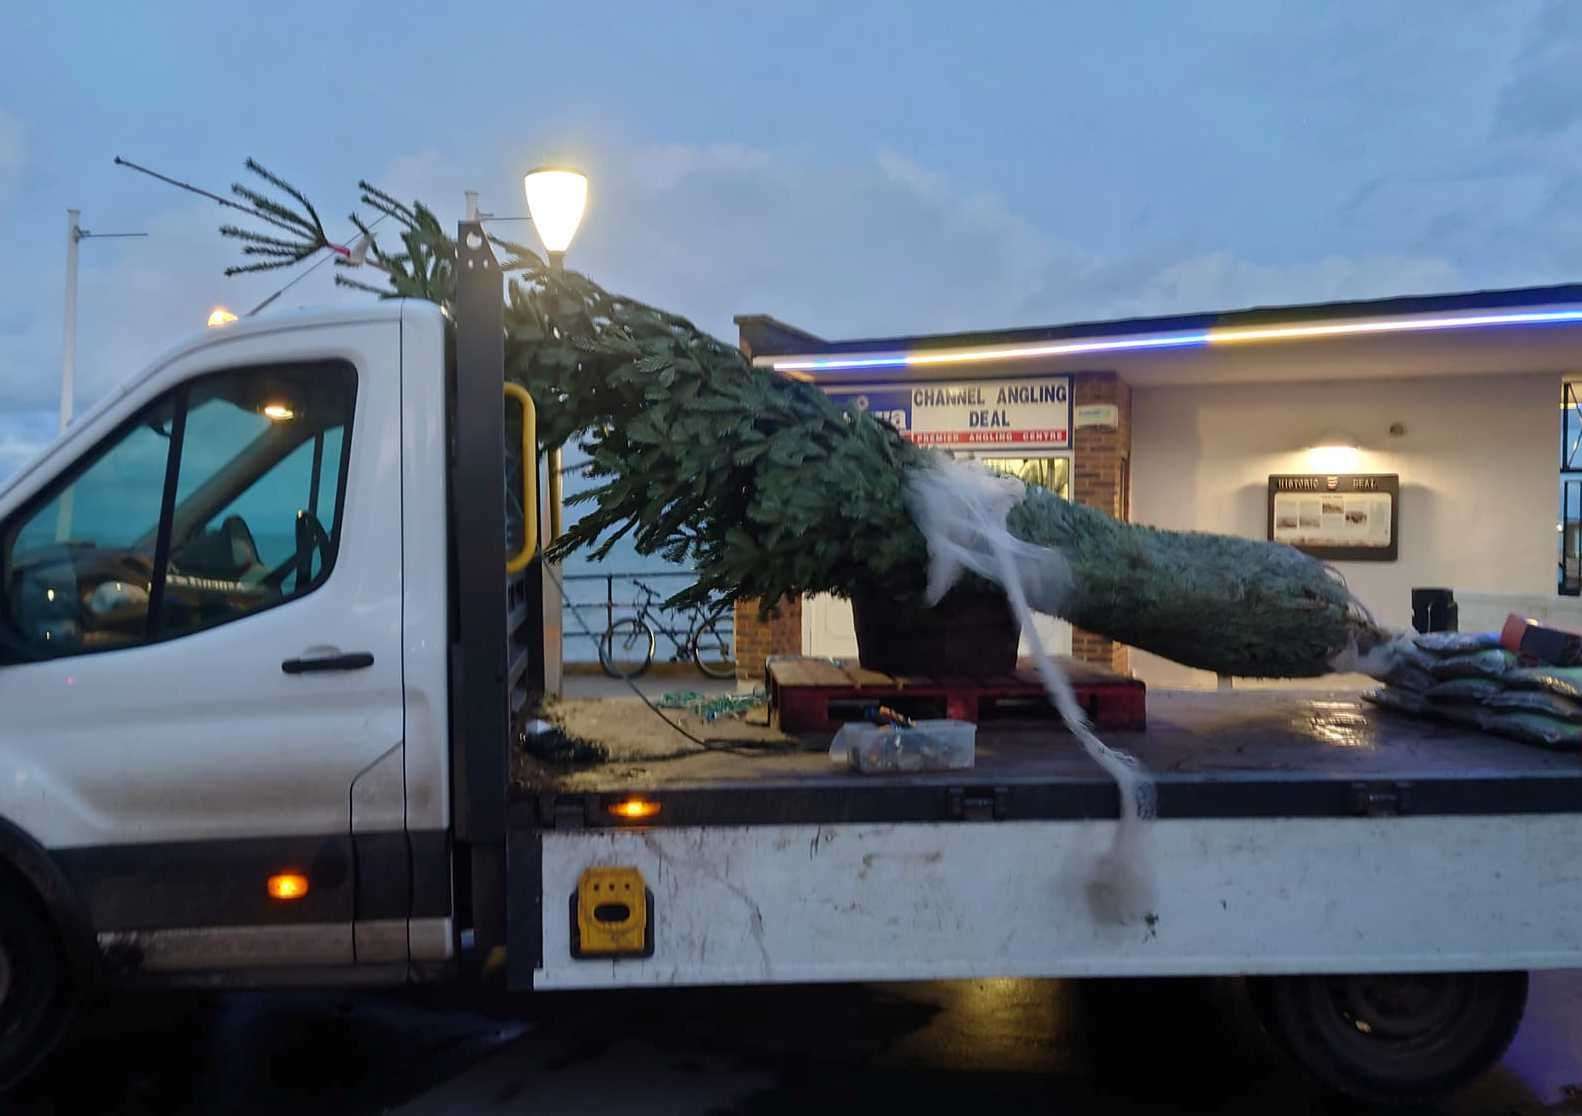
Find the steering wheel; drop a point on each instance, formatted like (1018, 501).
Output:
(311, 536)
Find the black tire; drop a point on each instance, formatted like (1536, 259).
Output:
(35, 1000)
(626, 648)
(711, 648)
(1394, 1039)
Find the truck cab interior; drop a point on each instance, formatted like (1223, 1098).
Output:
(219, 499)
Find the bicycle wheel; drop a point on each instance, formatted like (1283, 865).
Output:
(626, 649)
(711, 644)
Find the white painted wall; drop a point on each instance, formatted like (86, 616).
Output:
(1478, 465)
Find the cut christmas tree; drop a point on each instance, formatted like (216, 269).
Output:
(770, 490)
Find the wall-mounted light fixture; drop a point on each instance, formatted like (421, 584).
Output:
(1335, 451)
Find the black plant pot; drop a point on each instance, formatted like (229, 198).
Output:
(966, 633)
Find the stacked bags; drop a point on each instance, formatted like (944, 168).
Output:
(1470, 679)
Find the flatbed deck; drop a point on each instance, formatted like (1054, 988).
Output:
(1240, 754)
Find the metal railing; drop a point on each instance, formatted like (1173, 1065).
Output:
(602, 598)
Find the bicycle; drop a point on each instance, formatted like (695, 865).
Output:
(627, 647)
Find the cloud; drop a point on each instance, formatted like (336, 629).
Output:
(889, 245)
(874, 246)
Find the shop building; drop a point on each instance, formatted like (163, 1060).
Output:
(1412, 442)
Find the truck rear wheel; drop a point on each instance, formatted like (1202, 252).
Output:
(34, 1005)
(1390, 1039)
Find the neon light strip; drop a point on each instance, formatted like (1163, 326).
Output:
(1219, 335)
(975, 356)
(1230, 335)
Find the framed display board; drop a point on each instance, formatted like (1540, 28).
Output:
(1344, 518)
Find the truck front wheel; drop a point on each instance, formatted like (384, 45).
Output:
(1390, 1039)
(34, 1005)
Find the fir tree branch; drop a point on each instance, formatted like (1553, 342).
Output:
(237, 233)
(357, 285)
(268, 207)
(280, 184)
(245, 269)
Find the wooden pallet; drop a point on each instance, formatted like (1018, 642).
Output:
(819, 695)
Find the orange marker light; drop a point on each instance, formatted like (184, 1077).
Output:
(634, 809)
(288, 885)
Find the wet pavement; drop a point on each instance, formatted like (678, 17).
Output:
(1099, 1048)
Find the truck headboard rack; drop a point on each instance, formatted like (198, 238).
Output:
(493, 662)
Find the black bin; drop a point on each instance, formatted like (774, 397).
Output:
(1434, 610)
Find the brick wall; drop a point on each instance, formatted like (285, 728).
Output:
(1100, 479)
(757, 639)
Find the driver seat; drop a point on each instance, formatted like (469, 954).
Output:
(249, 566)
(226, 554)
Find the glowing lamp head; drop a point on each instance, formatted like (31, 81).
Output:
(556, 198)
(288, 886)
(1335, 452)
(220, 316)
(635, 809)
(278, 412)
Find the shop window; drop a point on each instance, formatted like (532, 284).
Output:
(221, 499)
(1053, 473)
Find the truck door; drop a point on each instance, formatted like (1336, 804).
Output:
(203, 684)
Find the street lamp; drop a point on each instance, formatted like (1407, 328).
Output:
(556, 197)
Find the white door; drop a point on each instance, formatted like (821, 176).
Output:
(204, 613)
(828, 630)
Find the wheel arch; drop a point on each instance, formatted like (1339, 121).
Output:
(31, 863)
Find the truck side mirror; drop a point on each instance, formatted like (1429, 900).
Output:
(37, 604)
(11, 643)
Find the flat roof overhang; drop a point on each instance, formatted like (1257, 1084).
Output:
(1490, 333)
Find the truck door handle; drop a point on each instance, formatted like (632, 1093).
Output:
(352, 660)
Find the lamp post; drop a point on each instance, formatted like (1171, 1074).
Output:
(556, 198)
(68, 361)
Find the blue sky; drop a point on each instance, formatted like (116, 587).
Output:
(857, 168)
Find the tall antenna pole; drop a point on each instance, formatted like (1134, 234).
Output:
(68, 361)
(75, 235)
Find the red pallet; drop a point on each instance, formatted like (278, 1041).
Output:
(819, 695)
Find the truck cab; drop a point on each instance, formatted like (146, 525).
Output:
(226, 731)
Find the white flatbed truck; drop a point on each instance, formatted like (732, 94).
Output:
(263, 671)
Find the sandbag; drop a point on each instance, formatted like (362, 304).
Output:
(1402, 701)
(1532, 701)
(1406, 651)
(1475, 690)
(1477, 664)
(1533, 728)
(1457, 643)
(1405, 676)
(1565, 681)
